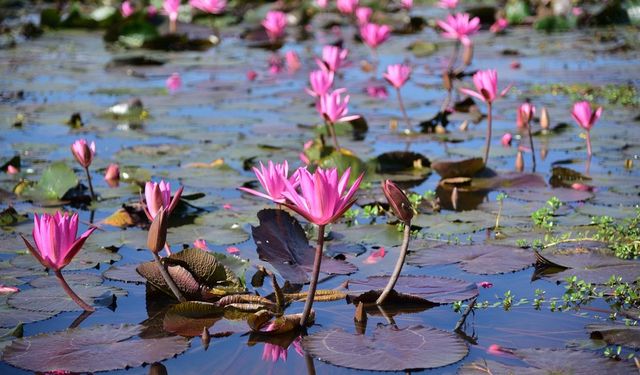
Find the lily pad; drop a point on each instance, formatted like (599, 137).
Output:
(461, 168)
(616, 334)
(282, 242)
(98, 348)
(388, 349)
(552, 361)
(54, 299)
(10, 316)
(413, 289)
(478, 259)
(189, 318)
(126, 273)
(54, 183)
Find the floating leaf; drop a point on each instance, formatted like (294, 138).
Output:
(413, 289)
(54, 183)
(10, 216)
(10, 316)
(80, 279)
(189, 318)
(542, 195)
(389, 348)
(478, 259)
(319, 296)
(552, 361)
(460, 168)
(98, 348)
(126, 273)
(282, 242)
(616, 334)
(54, 299)
(589, 261)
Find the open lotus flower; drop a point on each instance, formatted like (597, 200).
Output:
(274, 23)
(335, 109)
(83, 152)
(363, 15)
(273, 179)
(586, 119)
(209, 6)
(323, 196)
(321, 81)
(333, 58)
(397, 75)
(374, 35)
(158, 195)
(347, 6)
(448, 4)
(460, 27)
(486, 82)
(56, 245)
(126, 9)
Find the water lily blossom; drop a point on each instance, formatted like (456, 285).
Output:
(209, 6)
(524, 114)
(347, 6)
(56, 244)
(486, 82)
(586, 118)
(363, 15)
(322, 3)
(334, 108)
(321, 82)
(378, 92)
(174, 82)
(126, 9)
(84, 153)
(252, 75)
(275, 23)
(200, 244)
(293, 61)
(506, 139)
(273, 178)
(333, 57)
(376, 256)
(4, 289)
(171, 9)
(499, 26)
(406, 4)
(459, 26)
(158, 195)
(374, 35)
(397, 75)
(12, 170)
(448, 4)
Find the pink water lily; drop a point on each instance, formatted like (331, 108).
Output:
(12, 170)
(83, 152)
(586, 118)
(486, 82)
(333, 58)
(113, 172)
(55, 239)
(363, 15)
(448, 4)
(374, 35)
(334, 108)
(201, 244)
(293, 61)
(209, 6)
(506, 139)
(274, 23)
(347, 6)
(174, 82)
(459, 26)
(397, 74)
(273, 179)
(406, 4)
(126, 9)
(158, 195)
(376, 256)
(323, 195)
(171, 8)
(378, 92)
(524, 114)
(322, 3)
(252, 75)
(321, 82)
(499, 25)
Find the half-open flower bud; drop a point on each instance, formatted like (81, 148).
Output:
(157, 236)
(398, 201)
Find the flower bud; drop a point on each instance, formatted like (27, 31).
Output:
(157, 236)
(519, 162)
(544, 119)
(83, 152)
(467, 55)
(398, 201)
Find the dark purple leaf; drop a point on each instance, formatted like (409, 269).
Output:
(281, 241)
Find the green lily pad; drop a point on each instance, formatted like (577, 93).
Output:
(54, 183)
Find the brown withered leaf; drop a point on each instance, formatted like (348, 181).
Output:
(322, 295)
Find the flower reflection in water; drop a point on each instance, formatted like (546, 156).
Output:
(275, 352)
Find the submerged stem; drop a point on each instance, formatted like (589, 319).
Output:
(399, 264)
(487, 142)
(314, 278)
(533, 151)
(404, 111)
(93, 195)
(167, 279)
(72, 294)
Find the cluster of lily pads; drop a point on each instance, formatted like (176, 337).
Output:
(210, 286)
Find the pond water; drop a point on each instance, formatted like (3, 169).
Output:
(219, 115)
